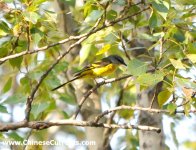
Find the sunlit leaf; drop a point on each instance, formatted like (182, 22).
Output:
(15, 99)
(192, 47)
(171, 108)
(192, 57)
(16, 29)
(149, 79)
(177, 64)
(163, 96)
(187, 107)
(31, 16)
(104, 49)
(84, 52)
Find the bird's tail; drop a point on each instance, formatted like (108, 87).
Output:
(66, 83)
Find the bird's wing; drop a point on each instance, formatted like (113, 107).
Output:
(92, 66)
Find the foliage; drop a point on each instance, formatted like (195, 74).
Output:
(170, 58)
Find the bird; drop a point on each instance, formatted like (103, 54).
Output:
(98, 69)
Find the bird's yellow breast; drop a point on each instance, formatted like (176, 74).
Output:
(104, 71)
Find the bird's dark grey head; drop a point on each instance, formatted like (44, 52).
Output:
(115, 59)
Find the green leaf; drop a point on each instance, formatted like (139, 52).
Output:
(163, 96)
(147, 37)
(31, 16)
(93, 16)
(177, 64)
(16, 62)
(3, 109)
(39, 108)
(4, 29)
(52, 81)
(121, 2)
(192, 48)
(62, 66)
(15, 99)
(186, 2)
(88, 8)
(110, 38)
(71, 2)
(14, 136)
(111, 14)
(39, 2)
(84, 52)
(192, 57)
(51, 16)
(149, 79)
(162, 7)
(171, 108)
(185, 82)
(67, 99)
(36, 35)
(25, 84)
(104, 49)
(8, 1)
(187, 107)
(178, 35)
(137, 67)
(7, 85)
(153, 21)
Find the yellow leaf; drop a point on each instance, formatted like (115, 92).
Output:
(192, 57)
(163, 97)
(177, 64)
(104, 49)
(16, 29)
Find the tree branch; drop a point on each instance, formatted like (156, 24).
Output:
(124, 107)
(39, 125)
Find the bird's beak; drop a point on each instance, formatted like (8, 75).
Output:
(124, 64)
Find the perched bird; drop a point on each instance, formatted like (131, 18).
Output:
(101, 68)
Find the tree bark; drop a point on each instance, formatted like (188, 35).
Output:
(150, 140)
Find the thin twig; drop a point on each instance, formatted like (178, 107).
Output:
(153, 98)
(123, 46)
(124, 107)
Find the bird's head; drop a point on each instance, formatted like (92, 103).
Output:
(115, 59)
